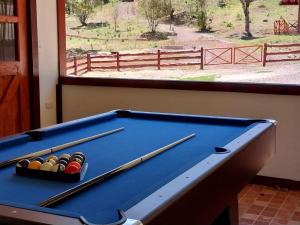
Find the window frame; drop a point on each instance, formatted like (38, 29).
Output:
(259, 88)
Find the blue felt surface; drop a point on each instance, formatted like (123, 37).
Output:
(99, 204)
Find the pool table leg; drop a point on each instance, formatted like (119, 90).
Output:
(230, 216)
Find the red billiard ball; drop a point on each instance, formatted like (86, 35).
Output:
(72, 169)
(75, 163)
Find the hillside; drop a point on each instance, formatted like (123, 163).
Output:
(227, 26)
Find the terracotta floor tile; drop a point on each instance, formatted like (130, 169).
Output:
(296, 216)
(293, 223)
(264, 219)
(280, 221)
(274, 205)
(261, 223)
(244, 221)
(254, 211)
(260, 205)
(271, 212)
(249, 216)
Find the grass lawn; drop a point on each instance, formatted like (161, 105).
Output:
(209, 77)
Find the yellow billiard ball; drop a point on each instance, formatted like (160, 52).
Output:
(51, 161)
(54, 157)
(46, 166)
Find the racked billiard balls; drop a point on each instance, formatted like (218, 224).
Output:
(65, 159)
(54, 157)
(79, 153)
(77, 158)
(46, 166)
(67, 156)
(34, 165)
(74, 163)
(50, 161)
(40, 159)
(72, 169)
(23, 163)
(58, 168)
(64, 162)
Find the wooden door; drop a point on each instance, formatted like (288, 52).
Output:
(14, 79)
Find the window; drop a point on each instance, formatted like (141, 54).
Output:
(207, 41)
(8, 37)
(7, 7)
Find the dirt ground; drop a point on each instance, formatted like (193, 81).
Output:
(276, 73)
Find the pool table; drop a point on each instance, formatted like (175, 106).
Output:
(194, 183)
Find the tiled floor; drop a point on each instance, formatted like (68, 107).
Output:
(261, 205)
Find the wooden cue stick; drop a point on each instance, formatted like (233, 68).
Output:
(72, 191)
(58, 147)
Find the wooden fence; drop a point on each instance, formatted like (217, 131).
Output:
(281, 53)
(118, 61)
(197, 57)
(218, 56)
(248, 54)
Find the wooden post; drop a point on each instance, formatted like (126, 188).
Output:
(265, 54)
(233, 55)
(88, 61)
(75, 65)
(202, 59)
(299, 16)
(158, 59)
(118, 61)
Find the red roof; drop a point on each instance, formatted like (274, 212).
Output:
(289, 2)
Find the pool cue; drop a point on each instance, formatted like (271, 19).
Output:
(72, 191)
(58, 148)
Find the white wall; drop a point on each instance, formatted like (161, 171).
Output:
(48, 59)
(79, 101)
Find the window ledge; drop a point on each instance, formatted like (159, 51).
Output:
(259, 88)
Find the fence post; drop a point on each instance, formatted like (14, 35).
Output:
(233, 51)
(202, 59)
(75, 65)
(265, 54)
(118, 61)
(158, 59)
(88, 61)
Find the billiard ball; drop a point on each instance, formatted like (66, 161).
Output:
(23, 163)
(58, 168)
(77, 158)
(40, 159)
(74, 163)
(54, 157)
(67, 156)
(50, 161)
(79, 153)
(46, 166)
(64, 158)
(34, 165)
(62, 161)
(72, 169)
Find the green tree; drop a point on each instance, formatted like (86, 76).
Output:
(153, 10)
(246, 10)
(83, 9)
(69, 7)
(200, 12)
